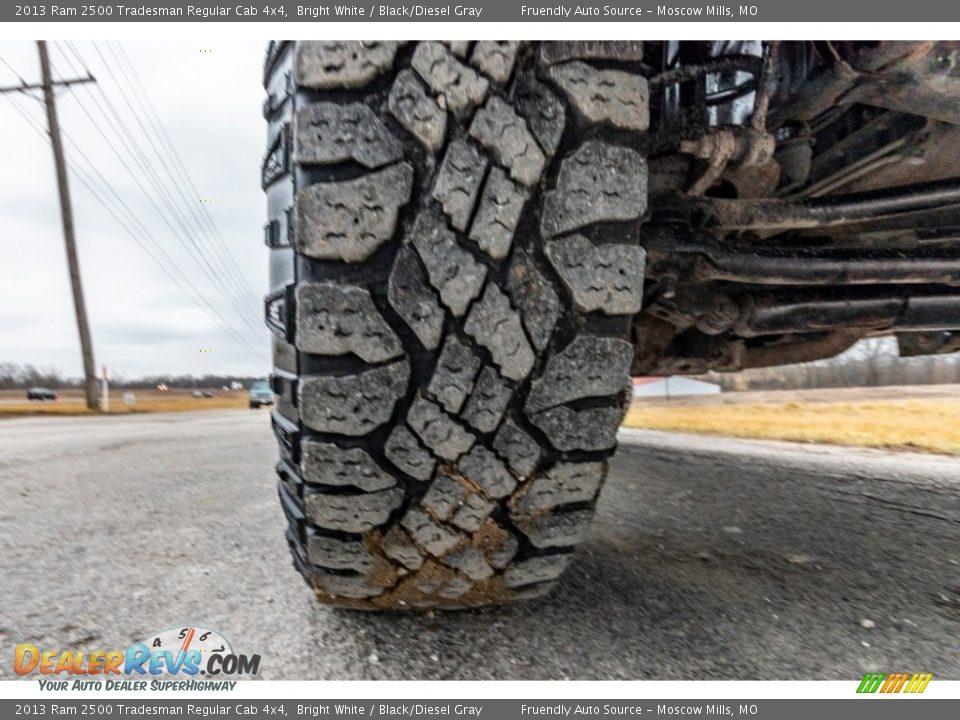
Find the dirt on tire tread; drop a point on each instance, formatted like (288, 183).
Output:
(437, 460)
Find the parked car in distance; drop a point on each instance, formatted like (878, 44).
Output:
(202, 394)
(38, 393)
(260, 394)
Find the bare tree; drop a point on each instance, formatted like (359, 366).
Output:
(871, 362)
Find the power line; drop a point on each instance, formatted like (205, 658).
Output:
(84, 177)
(89, 183)
(129, 143)
(193, 292)
(22, 81)
(150, 112)
(212, 268)
(67, 57)
(225, 258)
(144, 97)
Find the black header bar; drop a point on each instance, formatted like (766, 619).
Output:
(632, 11)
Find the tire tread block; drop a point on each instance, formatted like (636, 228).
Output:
(352, 513)
(442, 434)
(563, 50)
(453, 375)
(606, 278)
(535, 298)
(453, 271)
(591, 429)
(563, 484)
(414, 301)
(323, 65)
(329, 133)
(505, 135)
(435, 538)
(470, 561)
(495, 325)
(352, 404)
(488, 401)
(590, 366)
(458, 182)
(417, 112)
(326, 464)
(536, 570)
(611, 96)
(444, 496)
(483, 468)
(560, 529)
(518, 448)
(337, 554)
(398, 546)
(349, 220)
(334, 319)
(348, 586)
(495, 58)
(405, 451)
(461, 88)
(545, 114)
(599, 182)
(499, 212)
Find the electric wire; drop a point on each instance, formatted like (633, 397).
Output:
(83, 176)
(218, 245)
(156, 123)
(210, 266)
(13, 70)
(130, 144)
(127, 141)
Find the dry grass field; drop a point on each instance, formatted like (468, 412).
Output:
(922, 418)
(14, 403)
(925, 418)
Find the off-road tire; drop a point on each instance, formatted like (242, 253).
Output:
(455, 263)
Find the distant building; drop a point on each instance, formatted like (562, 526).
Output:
(672, 386)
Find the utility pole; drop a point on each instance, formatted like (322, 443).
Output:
(69, 238)
(66, 214)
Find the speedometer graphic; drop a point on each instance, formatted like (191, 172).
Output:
(181, 640)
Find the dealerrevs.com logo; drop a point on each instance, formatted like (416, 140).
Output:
(174, 659)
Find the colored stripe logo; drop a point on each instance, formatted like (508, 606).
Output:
(894, 682)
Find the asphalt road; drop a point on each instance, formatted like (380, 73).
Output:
(709, 559)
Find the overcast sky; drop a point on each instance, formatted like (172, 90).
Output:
(209, 99)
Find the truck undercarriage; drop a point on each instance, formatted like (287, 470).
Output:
(803, 196)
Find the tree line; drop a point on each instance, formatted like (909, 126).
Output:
(869, 363)
(14, 376)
